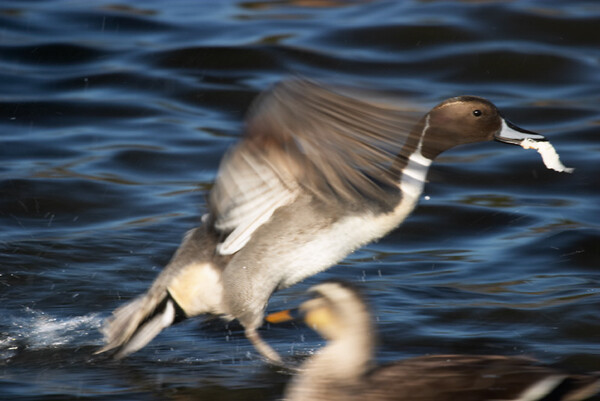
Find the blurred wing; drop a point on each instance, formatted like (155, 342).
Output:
(246, 193)
(301, 136)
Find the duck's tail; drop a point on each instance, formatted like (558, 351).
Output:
(189, 285)
(136, 323)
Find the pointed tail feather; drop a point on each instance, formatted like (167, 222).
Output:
(148, 330)
(134, 317)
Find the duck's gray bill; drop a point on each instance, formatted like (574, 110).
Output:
(510, 133)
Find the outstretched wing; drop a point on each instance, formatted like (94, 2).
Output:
(304, 137)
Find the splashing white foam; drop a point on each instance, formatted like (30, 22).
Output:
(35, 329)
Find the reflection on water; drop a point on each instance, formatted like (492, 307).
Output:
(114, 117)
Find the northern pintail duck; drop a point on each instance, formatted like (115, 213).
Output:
(318, 173)
(344, 369)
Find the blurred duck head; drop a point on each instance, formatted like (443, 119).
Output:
(336, 310)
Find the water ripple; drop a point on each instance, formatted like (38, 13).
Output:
(113, 119)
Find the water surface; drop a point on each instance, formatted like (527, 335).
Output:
(113, 119)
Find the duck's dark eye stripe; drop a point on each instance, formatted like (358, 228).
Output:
(477, 113)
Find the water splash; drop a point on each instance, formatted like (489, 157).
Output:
(36, 330)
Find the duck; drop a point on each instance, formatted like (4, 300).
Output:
(319, 171)
(344, 368)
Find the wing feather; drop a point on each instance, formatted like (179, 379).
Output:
(301, 136)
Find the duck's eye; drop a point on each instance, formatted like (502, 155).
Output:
(477, 113)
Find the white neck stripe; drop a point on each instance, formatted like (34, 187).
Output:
(414, 173)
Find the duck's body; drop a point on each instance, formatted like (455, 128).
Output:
(317, 175)
(448, 378)
(344, 368)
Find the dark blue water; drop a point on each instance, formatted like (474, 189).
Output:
(115, 114)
